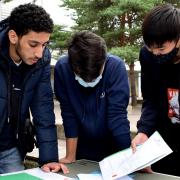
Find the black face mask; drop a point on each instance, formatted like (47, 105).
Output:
(164, 58)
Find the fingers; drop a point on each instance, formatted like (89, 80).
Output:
(135, 143)
(133, 146)
(139, 139)
(55, 167)
(147, 170)
(45, 168)
(64, 168)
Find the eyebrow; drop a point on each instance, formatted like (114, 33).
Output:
(37, 42)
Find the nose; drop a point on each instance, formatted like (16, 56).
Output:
(39, 52)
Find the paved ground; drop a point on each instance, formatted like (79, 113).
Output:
(133, 116)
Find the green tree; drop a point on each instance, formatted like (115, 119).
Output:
(58, 40)
(129, 15)
(119, 22)
(129, 53)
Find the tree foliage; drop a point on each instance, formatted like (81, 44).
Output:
(118, 22)
(129, 52)
(59, 38)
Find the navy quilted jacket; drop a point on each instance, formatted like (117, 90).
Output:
(36, 96)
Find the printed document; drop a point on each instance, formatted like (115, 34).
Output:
(33, 174)
(98, 177)
(125, 162)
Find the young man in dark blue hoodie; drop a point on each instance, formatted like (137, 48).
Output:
(25, 84)
(160, 72)
(93, 91)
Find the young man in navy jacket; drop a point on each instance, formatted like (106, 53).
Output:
(25, 84)
(93, 91)
(160, 72)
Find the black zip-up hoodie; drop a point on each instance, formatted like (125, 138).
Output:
(160, 90)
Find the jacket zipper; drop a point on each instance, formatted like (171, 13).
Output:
(9, 91)
(22, 92)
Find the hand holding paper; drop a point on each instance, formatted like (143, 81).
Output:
(126, 162)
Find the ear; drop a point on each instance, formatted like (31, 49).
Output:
(178, 44)
(13, 38)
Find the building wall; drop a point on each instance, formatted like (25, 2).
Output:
(4, 10)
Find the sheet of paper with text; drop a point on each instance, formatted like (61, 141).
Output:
(125, 162)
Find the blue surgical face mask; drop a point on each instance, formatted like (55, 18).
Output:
(164, 58)
(88, 84)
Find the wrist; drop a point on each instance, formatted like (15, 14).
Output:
(71, 158)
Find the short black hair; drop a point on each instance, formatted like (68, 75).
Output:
(161, 24)
(87, 54)
(30, 17)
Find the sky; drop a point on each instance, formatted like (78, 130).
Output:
(59, 14)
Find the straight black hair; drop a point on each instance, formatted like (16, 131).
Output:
(87, 54)
(160, 25)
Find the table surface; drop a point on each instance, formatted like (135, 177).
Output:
(86, 166)
(155, 176)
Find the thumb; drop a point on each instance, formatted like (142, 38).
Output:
(133, 146)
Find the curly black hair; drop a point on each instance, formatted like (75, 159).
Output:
(30, 17)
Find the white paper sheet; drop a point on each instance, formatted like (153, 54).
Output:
(46, 176)
(90, 177)
(126, 162)
(98, 177)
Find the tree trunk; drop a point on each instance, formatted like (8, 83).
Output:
(122, 39)
(132, 84)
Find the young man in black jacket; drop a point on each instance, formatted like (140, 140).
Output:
(160, 71)
(25, 84)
